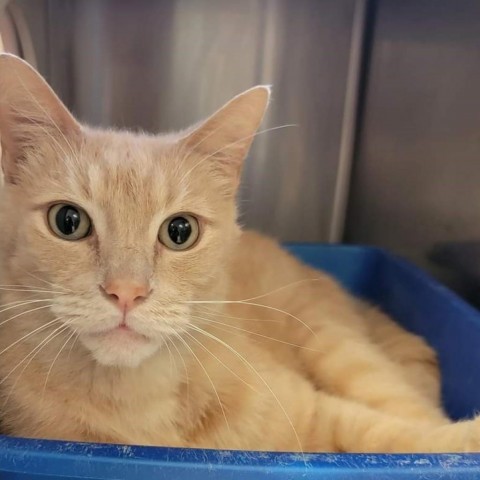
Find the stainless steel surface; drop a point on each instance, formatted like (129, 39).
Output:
(29, 18)
(8, 34)
(162, 64)
(417, 175)
(22, 28)
(349, 123)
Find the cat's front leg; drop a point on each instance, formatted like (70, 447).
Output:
(347, 426)
(342, 358)
(418, 361)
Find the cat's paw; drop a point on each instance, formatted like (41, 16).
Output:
(461, 437)
(471, 434)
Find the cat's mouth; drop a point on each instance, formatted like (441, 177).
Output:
(121, 333)
(120, 345)
(126, 341)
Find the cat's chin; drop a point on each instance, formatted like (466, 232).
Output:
(118, 348)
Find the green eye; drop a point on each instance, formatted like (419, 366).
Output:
(69, 221)
(179, 232)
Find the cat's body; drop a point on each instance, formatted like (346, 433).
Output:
(171, 400)
(128, 333)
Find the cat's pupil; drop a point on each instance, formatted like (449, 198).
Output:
(67, 220)
(179, 230)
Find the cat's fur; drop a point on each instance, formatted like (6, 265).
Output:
(243, 346)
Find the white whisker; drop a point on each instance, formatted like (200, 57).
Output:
(55, 285)
(203, 159)
(216, 313)
(42, 327)
(71, 346)
(241, 302)
(24, 313)
(55, 359)
(22, 304)
(221, 362)
(29, 290)
(170, 356)
(249, 365)
(20, 285)
(249, 332)
(289, 285)
(209, 379)
(33, 352)
(184, 367)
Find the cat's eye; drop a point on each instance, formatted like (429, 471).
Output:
(69, 221)
(179, 232)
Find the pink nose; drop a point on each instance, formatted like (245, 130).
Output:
(126, 294)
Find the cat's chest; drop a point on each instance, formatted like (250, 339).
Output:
(130, 414)
(117, 410)
(151, 421)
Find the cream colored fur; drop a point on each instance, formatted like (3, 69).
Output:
(239, 345)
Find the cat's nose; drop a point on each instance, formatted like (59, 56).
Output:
(126, 294)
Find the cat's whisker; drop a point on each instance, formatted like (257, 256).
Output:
(242, 302)
(29, 290)
(283, 287)
(196, 145)
(55, 359)
(17, 304)
(25, 313)
(20, 285)
(229, 332)
(221, 362)
(169, 354)
(225, 147)
(55, 285)
(216, 313)
(11, 306)
(249, 332)
(32, 354)
(71, 346)
(254, 370)
(184, 367)
(208, 376)
(279, 289)
(39, 329)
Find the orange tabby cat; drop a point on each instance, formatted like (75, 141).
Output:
(135, 310)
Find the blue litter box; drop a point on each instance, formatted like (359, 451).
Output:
(417, 301)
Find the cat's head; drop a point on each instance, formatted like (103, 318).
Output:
(124, 229)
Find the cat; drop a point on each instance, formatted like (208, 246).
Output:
(135, 310)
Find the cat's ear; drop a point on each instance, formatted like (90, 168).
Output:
(223, 140)
(29, 112)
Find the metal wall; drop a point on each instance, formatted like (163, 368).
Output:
(416, 181)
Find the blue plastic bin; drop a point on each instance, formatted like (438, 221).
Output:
(417, 301)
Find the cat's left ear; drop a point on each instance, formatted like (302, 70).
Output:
(223, 140)
(30, 113)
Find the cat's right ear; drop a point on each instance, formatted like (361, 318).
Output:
(223, 140)
(29, 112)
